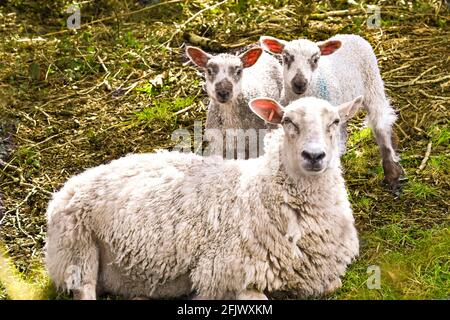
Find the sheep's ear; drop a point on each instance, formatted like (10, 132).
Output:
(267, 109)
(271, 44)
(348, 110)
(328, 47)
(198, 56)
(250, 56)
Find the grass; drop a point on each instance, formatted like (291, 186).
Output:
(413, 266)
(79, 99)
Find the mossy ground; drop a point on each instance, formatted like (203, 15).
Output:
(118, 85)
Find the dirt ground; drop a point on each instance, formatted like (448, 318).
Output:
(70, 100)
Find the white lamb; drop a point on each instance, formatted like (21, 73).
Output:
(337, 70)
(169, 224)
(231, 82)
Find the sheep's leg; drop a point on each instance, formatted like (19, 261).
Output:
(86, 288)
(333, 286)
(381, 118)
(251, 295)
(86, 292)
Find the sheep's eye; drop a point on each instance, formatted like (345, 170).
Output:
(238, 72)
(335, 122)
(209, 71)
(289, 124)
(315, 60)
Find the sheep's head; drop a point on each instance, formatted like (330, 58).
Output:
(311, 131)
(223, 71)
(300, 59)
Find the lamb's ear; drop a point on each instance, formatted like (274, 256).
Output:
(348, 109)
(267, 109)
(272, 44)
(198, 56)
(328, 47)
(250, 56)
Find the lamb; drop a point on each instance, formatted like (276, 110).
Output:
(171, 224)
(231, 82)
(337, 70)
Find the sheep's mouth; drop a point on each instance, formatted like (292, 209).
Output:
(314, 168)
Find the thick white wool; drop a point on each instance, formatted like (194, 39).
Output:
(168, 224)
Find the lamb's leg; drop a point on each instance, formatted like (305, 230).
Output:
(251, 295)
(381, 118)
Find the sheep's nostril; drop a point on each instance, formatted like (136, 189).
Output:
(313, 156)
(223, 95)
(299, 87)
(306, 155)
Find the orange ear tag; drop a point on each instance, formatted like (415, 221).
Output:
(271, 115)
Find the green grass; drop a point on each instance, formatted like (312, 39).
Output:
(163, 110)
(421, 190)
(413, 265)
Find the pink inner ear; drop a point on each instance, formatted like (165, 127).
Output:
(268, 110)
(250, 57)
(329, 47)
(273, 45)
(198, 56)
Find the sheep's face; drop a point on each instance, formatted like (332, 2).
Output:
(223, 72)
(311, 131)
(300, 60)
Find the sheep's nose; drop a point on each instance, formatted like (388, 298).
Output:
(299, 84)
(223, 95)
(313, 157)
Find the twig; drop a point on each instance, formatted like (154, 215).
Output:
(115, 16)
(425, 159)
(415, 80)
(33, 191)
(102, 64)
(432, 96)
(189, 20)
(434, 80)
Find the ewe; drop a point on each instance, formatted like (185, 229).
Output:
(169, 224)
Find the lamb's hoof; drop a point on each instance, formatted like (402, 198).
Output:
(394, 177)
(395, 186)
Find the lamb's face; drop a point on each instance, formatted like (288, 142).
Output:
(310, 124)
(300, 60)
(223, 77)
(223, 72)
(311, 133)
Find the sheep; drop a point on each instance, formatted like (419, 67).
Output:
(171, 224)
(337, 70)
(231, 82)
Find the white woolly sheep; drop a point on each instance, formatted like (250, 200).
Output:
(231, 82)
(323, 71)
(169, 224)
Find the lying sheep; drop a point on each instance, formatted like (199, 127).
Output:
(337, 70)
(231, 82)
(169, 224)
